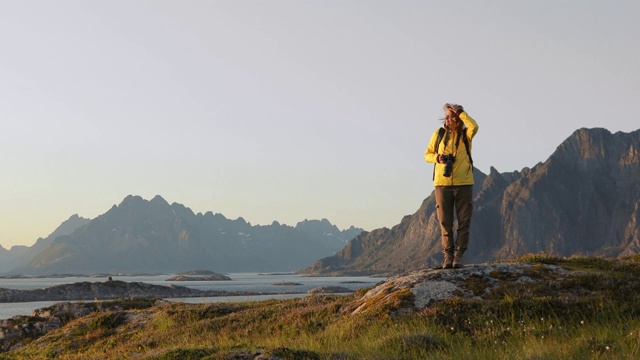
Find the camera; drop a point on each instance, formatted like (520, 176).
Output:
(448, 164)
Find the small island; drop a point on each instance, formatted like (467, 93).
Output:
(287, 283)
(199, 275)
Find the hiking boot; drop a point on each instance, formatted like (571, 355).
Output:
(447, 262)
(457, 261)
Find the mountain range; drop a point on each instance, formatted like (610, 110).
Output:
(583, 200)
(140, 236)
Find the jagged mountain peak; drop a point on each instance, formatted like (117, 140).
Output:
(137, 201)
(216, 217)
(71, 223)
(583, 144)
(159, 201)
(597, 144)
(494, 178)
(323, 222)
(181, 210)
(132, 200)
(323, 225)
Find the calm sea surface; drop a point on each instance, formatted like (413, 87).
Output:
(240, 282)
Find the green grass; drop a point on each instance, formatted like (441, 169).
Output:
(591, 316)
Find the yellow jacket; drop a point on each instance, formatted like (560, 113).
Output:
(462, 173)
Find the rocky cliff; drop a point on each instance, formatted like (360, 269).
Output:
(584, 200)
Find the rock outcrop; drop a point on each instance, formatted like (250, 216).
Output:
(562, 279)
(19, 330)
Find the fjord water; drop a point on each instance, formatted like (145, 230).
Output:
(249, 282)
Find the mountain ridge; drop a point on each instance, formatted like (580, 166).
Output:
(149, 236)
(20, 255)
(584, 200)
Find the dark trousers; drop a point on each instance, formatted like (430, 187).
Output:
(456, 200)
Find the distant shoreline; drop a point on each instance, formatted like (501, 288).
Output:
(115, 289)
(62, 276)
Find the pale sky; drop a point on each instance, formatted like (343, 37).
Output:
(290, 110)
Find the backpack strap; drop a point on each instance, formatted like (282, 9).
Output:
(438, 140)
(465, 140)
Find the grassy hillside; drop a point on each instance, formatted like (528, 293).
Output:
(595, 315)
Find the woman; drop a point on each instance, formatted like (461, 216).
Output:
(450, 150)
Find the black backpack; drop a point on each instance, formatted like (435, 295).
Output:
(441, 132)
